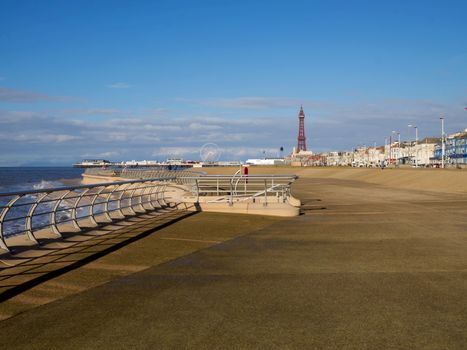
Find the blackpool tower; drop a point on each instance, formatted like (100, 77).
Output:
(301, 144)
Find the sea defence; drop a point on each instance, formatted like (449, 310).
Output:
(259, 194)
(367, 265)
(47, 232)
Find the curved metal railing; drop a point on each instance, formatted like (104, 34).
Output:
(30, 213)
(142, 173)
(237, 187)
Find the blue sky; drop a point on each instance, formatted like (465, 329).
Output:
(154, 79)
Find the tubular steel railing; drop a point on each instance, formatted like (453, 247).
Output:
(141, 173)
(237, 188)
(54, 209)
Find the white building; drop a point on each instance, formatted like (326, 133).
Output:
(423, 151)
(265, 161)
(368, 157)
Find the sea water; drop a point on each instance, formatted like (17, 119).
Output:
(34, 178)
(13, 179)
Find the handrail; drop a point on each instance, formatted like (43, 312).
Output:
(55, 209)
(235, 188)
(142, 173)
(62, 188)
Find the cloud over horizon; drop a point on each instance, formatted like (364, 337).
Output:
(119, 85)
(255, 102)
(25, 96)
(72, 134)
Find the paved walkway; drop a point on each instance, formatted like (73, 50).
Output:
(365, 267)
(55, 256)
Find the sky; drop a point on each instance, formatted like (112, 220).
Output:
(124, 80)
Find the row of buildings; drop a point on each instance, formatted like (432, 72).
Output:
(423, 153)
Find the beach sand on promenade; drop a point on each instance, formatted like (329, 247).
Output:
(422, 179)
(377, 260)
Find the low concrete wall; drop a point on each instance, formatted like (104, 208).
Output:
(271, 209)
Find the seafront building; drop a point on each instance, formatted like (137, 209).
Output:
(424, 153)
(455, 149)
(424, 150)
(419, 153)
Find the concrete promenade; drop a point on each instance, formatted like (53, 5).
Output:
(367, 266)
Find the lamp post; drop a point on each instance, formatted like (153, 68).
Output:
(410, 142)
(442, 142)
(385, 145)
(398, 144)
(416, 141)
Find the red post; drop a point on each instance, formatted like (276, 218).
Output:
(245, 172)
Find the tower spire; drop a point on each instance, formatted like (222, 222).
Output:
(301, 142)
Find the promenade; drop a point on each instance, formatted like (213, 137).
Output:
(367, 265)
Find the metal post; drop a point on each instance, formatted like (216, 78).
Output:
(390, 149)
(416, 143)
(385, 145)
(265, 193)
(398, 146)
(443, 145)
(410, 142)
(231, 193)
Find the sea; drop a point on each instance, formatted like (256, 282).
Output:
(14, 179)
(33, 178)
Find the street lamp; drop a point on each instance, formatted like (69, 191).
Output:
(416, 148)
(398, 144)
(443, 147)
(416, 141)
(410, 142)
(385, 145)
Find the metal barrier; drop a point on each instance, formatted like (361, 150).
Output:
(28, 212)
(142, 173)
(237, 188)
(56, 210)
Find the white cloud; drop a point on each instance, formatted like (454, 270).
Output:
(175, 151)
(90, 112)
(39, 137)
(119, 85)
(240, 135)
(108, 154)
(200, 127)
(25, 96)
(256, 102)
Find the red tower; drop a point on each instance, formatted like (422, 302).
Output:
(301, 144)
